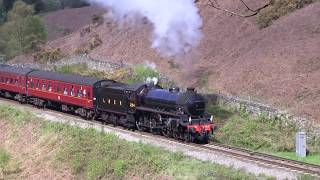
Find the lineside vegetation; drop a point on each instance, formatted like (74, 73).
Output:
(274, 136)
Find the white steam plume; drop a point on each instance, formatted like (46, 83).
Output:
(176, 23)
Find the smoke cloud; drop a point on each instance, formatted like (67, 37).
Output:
(176, 23)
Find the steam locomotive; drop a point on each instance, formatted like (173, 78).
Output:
(141, 106)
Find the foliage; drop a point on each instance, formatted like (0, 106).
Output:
(22, 31)
(53, 5)
(15, 116)
(142, 72)
(4, 159)
(48, 56)
(239, 128)
(44, 5)
(81, 50)
(259, 133)
(97, 19)
(95, 42)
(121, 74)
(2, 12)
(279, 8)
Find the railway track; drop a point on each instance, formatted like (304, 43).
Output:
(265, 158)
(239, 153)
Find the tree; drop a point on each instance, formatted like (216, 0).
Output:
(22, 31)
(1, 12)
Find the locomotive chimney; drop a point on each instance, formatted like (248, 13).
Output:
(174, 89)
(190, 89)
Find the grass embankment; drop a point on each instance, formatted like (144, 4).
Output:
(93, 155)
(262, 134)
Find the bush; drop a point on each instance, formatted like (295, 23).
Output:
(141, 73)
(95, 42)
(279, 8)
(48, 56)
(97, 19)
(4, 159)
(239, 128)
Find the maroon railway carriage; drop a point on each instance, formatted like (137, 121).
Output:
(13, 81)
(71, 91)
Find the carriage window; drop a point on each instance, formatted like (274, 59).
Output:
(84, 93)
(79, 94)
(72, 91)
(120, 103)
(65, 91)
(114, 102)
(49, 87)
(16, 82)
(109, 101)
(88, 94)
(43, 86)
(32, 84)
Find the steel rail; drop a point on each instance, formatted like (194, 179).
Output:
(265, 158)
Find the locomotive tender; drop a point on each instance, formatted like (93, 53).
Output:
(142, 106)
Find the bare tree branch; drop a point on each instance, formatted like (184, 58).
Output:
(253, 12)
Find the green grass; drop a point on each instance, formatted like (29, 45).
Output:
(16, 117)
(257, 133)
(312, 158)
(8, 165)
(4, 158)
(93, 155)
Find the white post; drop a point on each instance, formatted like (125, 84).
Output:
(301, 144)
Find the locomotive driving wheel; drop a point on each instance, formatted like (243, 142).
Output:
(139, 124)
(166, 132)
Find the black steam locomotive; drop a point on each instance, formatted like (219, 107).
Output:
(181, 115)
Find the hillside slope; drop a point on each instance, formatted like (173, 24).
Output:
(279, 64)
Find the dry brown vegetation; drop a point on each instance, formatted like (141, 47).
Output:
(277, 64)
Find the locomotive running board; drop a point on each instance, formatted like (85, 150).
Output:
(156, 111)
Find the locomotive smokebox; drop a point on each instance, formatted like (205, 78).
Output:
(194, 104)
